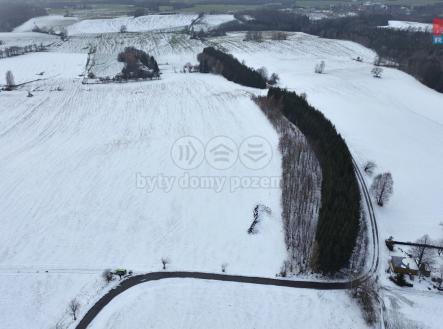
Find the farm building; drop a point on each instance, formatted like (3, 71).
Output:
(403, 265)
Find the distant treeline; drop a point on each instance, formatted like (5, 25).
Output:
(339, 217)
(12, 15)
(413, 51)
(17, 51)
(214, 61)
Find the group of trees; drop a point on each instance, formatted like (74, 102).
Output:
(278, 35)
(413, 51)
(266, 19)
(215, 61)
(17, 51)
(137, 65)
(339, 215)
(271, 80)
(256, 36)
(301, 189)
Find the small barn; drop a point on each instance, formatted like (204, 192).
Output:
(403, 265)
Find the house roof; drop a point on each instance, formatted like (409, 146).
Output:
(403, 262)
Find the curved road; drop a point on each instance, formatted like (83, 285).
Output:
(330, 285)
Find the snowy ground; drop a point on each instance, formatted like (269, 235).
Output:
(69, 161)
(206, 304)
(75, 160)
(86, 151)
(56, 22)
(74, 26)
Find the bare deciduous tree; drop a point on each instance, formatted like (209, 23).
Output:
(377, 72)
(254, 36)
(107, 275)
(422, 254)
(123, 29)
(440, 276)
(369, 167)
(279, 36)
(10, 80)
(274, 79)
(440, 244)
(367, 296)
(74, 306)
(377, 61)
(320, 68)
(382, 188)
(165, 261)
(263, 72)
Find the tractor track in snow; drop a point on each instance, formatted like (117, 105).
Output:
(316, 285)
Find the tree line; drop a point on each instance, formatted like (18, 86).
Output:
(412, 50)
(215, 61)
(17, 51)
(300, 188)
(339, 216)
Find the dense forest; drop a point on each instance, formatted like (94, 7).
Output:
(214, 61)
(339, 217)
(12, 15)
(412, 50)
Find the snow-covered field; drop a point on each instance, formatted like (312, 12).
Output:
(69, 161)
(147, 23)
(74, 26)
(218, 305)
(55, 22)
(138, 24)
(31, 66)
